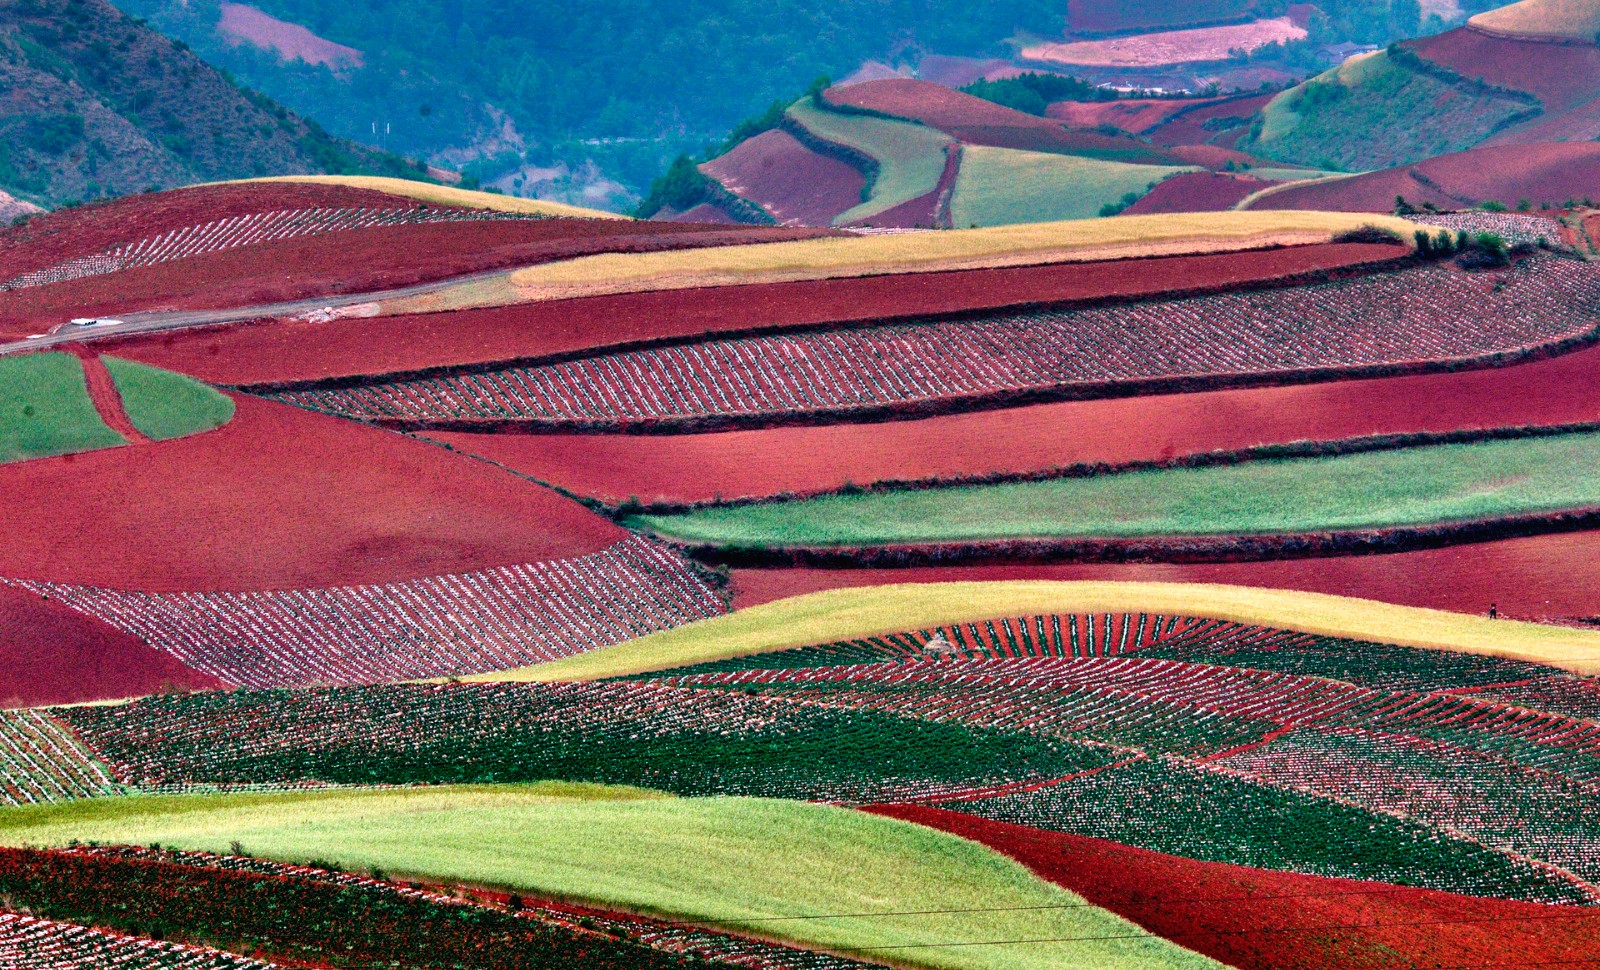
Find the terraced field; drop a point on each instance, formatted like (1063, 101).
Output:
(909, 159)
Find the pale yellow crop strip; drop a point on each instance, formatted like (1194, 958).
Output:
(1566, 19)
(851, 613)
(441, 195)
(1080, 240)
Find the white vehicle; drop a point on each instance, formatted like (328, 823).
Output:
(95, 322)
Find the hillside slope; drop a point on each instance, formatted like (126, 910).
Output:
(93, 103)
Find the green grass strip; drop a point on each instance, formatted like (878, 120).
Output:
(736, 862)
(164, 405)
(45, 409)
(1404, 487)
(910, 157)
(1003, 186)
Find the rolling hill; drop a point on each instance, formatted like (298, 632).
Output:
(94, 103)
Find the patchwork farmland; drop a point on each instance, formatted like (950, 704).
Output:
(420, 578)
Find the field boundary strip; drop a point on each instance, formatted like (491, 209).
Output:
(843, 614)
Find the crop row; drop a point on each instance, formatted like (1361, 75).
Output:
(473, 916)
(41, 761)
(27, 943)
(1515, 228)
(494, 619)
(1423, 313)
(1537, 814)
(250, 230)
(688, 742)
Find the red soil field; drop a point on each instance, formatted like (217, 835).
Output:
(278, 498)
(1120, 16)
(704, 213)
(1134, 115)
(102, 388)
(789, 180)
(1561, 75)
(245, 24)
(355, 261)
(1216, 157)
(50, 654)
(743, 464)
(1188, 127)
(89, 229)
(1506, 173)
(975, 121)
(1212, 908)
(1551, 577)
(1196, 192)
(287, 350)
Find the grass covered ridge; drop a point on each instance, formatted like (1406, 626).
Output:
(45, 409)
(1084, 240)
(1424, 485)
(846, 614)
(164, 405)
(732, 862)
(1001, 186)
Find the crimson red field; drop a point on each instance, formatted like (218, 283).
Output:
(1553, 577)
(1197, 192)
(286, 350)
(1112, 17)
(278, 498)
(737, 464)
(50, 654)
(1562, 76)
(354, 261)
(1135, 116)
(1545, 175)
(789, 180)
(1255, 919)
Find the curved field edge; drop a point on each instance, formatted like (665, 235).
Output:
(1032, 244)
(1403, 488)
(777, 869)
(844, 614)
(46, 409)
(438, 195)
(164, 405)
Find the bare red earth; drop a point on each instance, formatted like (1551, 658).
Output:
(1118, 431)
(89, 229)
(975, 121)
(1561, 75)
(1541, 578)
(1188, 127)
(1196, 192)
(356, 261)
(285, 350)
(1258, 919)
(1119, 16)
(789, 180)
(50, 654)
(1550, 173)
(1136, 116)
(103, 392)
(242, 23)
(705, 213)
(278, 498)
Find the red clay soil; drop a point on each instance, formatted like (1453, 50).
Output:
(1549, 173)
(1134, 115)
(1196, 192)
(103, 392)
(357, 261)
(1548, 577)
(1118, 431)
(1188, 127)
(1561, 75)
(50, 654)
(789, 180)
(975, 121)
(85, 230)
(278, 498)
(295, 350)
(1256, 919)
(705, 213)
(1122, 17)
(1216, 157)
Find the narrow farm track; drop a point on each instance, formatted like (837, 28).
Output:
(103, 392)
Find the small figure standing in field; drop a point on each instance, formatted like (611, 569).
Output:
(1494, 612)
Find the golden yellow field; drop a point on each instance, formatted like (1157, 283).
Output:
(850, 613)
(1081, 240)
(1563, 19)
